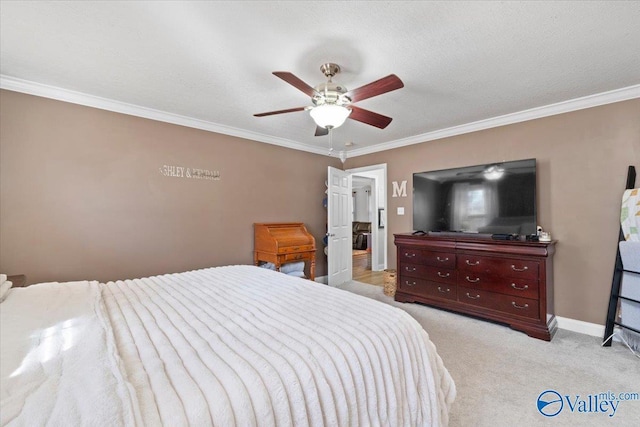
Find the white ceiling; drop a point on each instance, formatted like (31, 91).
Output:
(465, 65)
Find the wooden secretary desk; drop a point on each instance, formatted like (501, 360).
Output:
(284, 242)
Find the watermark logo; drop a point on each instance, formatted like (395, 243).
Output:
(550, 403)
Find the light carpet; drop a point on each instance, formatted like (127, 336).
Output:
(500, 373)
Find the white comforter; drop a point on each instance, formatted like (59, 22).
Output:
(226, 346)
(58, 360)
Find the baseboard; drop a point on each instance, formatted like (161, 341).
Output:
(581, 327)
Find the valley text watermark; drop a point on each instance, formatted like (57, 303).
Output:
(551, 403)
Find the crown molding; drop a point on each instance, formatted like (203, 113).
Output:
(52, 92)
(80, 98)
(618, 95)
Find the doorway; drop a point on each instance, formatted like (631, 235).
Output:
(362, 212)
(369, 197)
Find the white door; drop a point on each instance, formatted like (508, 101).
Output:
(339, 228)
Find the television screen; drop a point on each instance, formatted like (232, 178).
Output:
(496, 198)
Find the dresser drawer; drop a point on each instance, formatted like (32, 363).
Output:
(413, 270)
(441, 275)
(427, 288)
(439, 259)
(410, 255)
(435, 274)
(525, 288)
(300, 248)
(513, 305)
(434, 258)
(295, 257)
(440, 290)
(413, 285)
(498, 266)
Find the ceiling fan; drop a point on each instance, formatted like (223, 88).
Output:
(333, 103)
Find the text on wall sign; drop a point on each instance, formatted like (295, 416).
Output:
(189, 173)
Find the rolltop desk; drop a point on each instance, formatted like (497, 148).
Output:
(284, 242)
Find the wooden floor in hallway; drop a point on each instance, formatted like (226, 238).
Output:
(362, 269)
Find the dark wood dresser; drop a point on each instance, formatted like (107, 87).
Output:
(505, 281)
(283, 242)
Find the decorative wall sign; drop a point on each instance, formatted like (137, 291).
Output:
(399, 190)
(189, 173)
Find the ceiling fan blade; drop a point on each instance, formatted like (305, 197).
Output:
(384, 85)
(271, 113)
(369, 117)
(320, 131)
(295, 82)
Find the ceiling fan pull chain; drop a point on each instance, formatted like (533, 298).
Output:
(330, 141)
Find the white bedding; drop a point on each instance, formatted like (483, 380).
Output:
(227, 346)
(59, 364)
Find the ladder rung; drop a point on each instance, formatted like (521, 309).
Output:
(627, 327)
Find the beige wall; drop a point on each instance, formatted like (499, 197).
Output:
(82, 196)
(582, 160)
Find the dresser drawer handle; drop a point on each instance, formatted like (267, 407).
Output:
(514, 286)
(475, 263)
(442, 259)
(472, 297)
(409, 255)
(469, 279)
(443, 275)
(521, 307)
(514, 268)
(409, 284)
(410, 268)
(443, 291)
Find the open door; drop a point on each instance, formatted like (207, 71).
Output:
(339, 229)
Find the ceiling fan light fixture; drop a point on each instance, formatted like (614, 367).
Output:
(330, 116)
(493, 173)
(333, 103)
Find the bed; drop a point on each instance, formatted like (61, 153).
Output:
(224, 346)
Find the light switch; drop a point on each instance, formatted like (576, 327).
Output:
(401, 211)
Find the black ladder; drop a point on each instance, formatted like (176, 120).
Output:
(617, 280)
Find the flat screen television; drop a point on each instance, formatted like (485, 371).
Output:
(496, 198)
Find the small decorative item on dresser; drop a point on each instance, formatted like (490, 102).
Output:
(390, 282)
